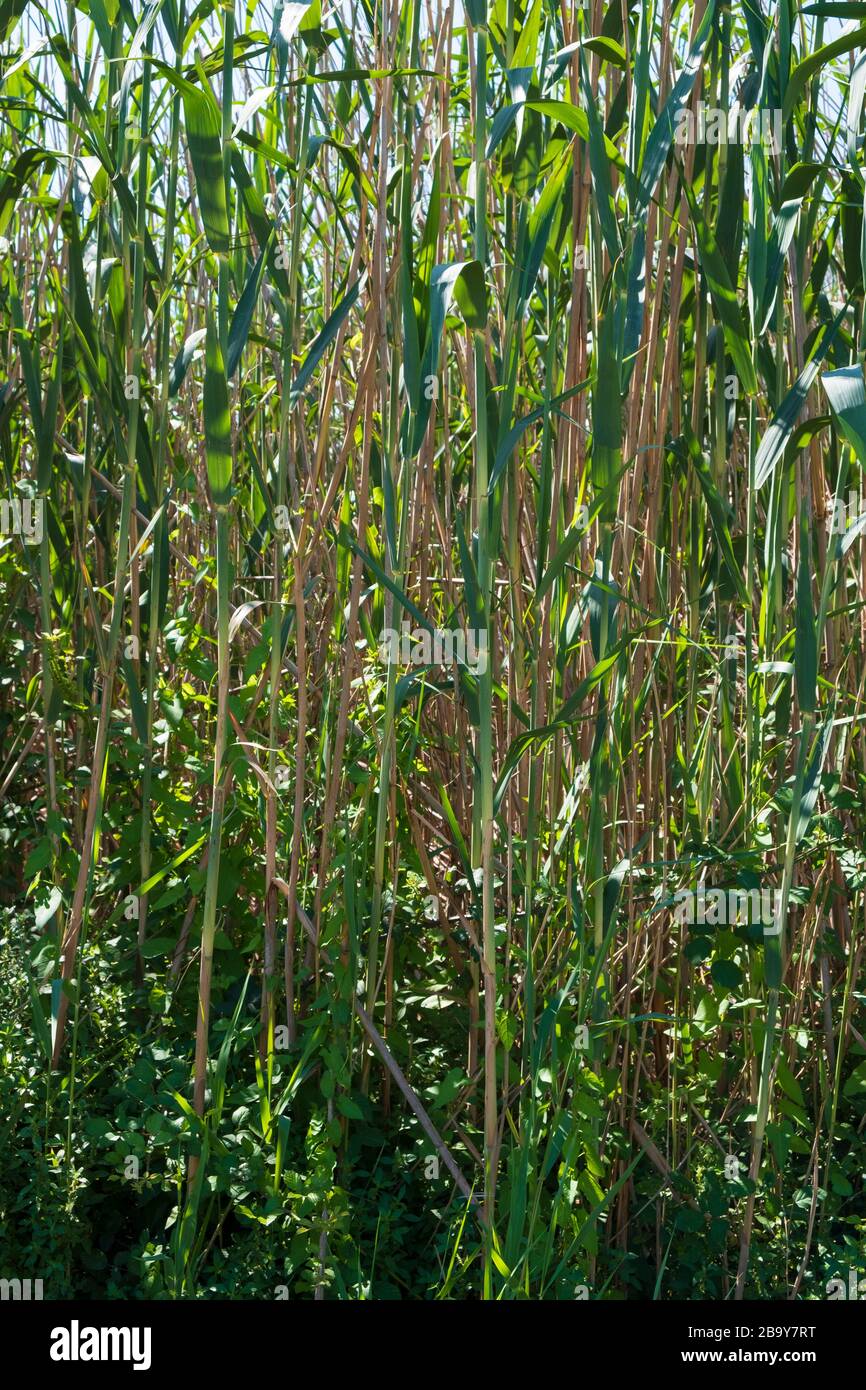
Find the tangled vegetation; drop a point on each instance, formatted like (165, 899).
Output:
(432, 649)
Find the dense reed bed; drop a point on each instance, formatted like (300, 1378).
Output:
(432, 649)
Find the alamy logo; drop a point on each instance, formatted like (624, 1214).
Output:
(856, 1287)
(75, 1343)
(734, 127)
(422, 646)
(22, 516)
(844, 514)
(720, 906)
(20, 1289)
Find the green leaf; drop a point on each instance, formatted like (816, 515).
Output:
(806, 640)
(812, 780)
(160, 874)
(10, 13)
(203, 127)
(805, 71)
(322, 342)
(40, 1027)
(599, 167)
(799, 180)
(239, 331)
(180, 366)
(661, 136)
(789, 1083)
(462, 281)
(773, 444)
(724, 297)
(608, 49)
(46, 910)
(217, 420)
(726, 974)
(847, 396)
(606, 417)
